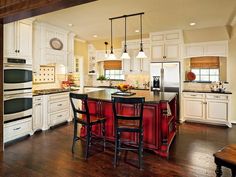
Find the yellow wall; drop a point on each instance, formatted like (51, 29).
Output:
(232, 72)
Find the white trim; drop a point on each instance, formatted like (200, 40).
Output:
(80, 40)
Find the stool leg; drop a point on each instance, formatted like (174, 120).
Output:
(87, 142)
(233, 173)
(104, 135)
(218, 171)
(141, 150)
(116, 146)
(75, 136)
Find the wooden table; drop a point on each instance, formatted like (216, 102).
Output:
(226, 157)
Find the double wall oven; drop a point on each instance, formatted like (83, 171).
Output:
(17, 90)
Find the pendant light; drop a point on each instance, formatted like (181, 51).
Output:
(141, 53)
(106, 54)
(125, 54)
(111, 55)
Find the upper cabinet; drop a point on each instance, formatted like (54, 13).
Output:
(218, 48)
(50, 45)
(18, 39)
(166, 45)
(136, 65)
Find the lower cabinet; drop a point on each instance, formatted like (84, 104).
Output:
(50, 110)
(17, 129)
(37, 113)
(206, 108)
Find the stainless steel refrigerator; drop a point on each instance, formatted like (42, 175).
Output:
(169, 73)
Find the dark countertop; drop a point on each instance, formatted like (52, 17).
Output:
(49, 91)
(204, 91)
(150, 96)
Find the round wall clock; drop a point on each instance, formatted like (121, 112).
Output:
(56, 44)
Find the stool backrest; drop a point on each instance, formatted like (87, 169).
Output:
(83, 98)
(135, 113)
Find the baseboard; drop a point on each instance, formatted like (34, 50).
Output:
(233, 122)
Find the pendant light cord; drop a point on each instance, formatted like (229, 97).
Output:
(125, 49)
(111, 39)
(141, 33)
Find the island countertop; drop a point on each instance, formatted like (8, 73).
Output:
(150, 96)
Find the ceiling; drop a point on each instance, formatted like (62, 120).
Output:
(93, 18)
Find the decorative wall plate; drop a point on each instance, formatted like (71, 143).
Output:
(56, 44)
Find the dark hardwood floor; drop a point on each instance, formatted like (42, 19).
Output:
(49, 154)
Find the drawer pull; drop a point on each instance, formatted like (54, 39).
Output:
(59, 116)
(216, 96)
(193, 95)
(17, 128)
(38, 99)
(59, 105)
(39, 104)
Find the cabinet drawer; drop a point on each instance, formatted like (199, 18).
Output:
(37, 99)
(58, 105)
(217, 96)
(17, 129)
(59, 117)
(194, 95)
(59, 96)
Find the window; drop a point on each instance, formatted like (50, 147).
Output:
(114, 74)
(206, 74)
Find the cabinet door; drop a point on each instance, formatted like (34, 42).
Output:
(24, 39)
(217, 110)
(217, 49)
(10, 40)
(135, 62)
(126, 64)
(172, 51)
(194, 109)
(37, 116)
(145, 63)
(157, 51)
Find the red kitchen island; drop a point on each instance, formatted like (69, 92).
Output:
(159, 125)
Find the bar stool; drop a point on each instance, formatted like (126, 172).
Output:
(128, 122)
(87, 120)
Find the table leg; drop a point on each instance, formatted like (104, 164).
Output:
(218, 171)
(233, 173)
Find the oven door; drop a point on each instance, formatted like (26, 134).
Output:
(17, 76)
(17, 106)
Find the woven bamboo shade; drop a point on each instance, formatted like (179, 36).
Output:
(205, 62)
(112, 65)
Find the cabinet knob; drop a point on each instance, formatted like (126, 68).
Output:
(18, 51)
(15, 51)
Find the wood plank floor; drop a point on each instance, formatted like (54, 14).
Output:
(48, 154)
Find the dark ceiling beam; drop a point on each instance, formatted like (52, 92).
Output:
(12, 10)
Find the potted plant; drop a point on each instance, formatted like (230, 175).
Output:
(101, 78)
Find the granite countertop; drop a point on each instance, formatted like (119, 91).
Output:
(206, 91)
(150, 96)
(49, 91)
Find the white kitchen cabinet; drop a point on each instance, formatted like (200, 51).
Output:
(217, 48)
(37, 113)
(43, 53)
(194, 108)
(56, 109)
(17, 129)
(166, 45)
(206, 108)
(18, 39)
(136, 65)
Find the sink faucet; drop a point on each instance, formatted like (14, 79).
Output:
(110, 83)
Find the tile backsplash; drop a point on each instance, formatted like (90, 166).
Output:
(46, 75)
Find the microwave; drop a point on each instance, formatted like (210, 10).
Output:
(17, 75)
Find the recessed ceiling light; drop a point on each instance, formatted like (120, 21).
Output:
(136, 31)
(192, 24)
(70, 24)
(95, 36)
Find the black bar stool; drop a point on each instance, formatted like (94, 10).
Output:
(88, 122)
(126, 122)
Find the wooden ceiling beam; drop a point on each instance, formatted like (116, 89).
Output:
(12, 10)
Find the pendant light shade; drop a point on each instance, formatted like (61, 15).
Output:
(111, 55)
(125, 54)
(141, 53)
